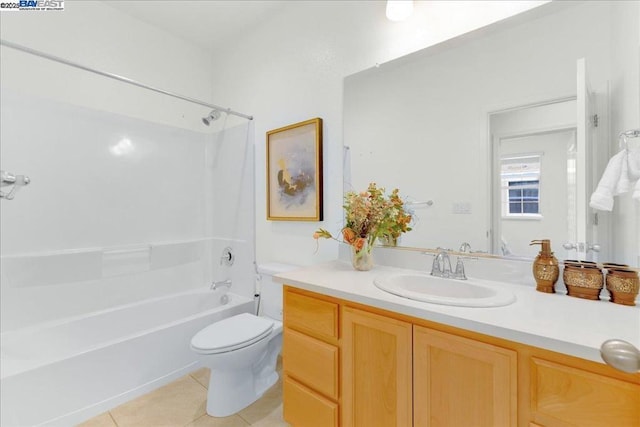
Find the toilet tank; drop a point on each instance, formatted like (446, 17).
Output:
(270, 291)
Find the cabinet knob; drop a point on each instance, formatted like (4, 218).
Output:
(621, 355)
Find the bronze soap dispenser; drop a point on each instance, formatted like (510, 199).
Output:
(545, 267)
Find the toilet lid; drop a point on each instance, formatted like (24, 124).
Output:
(231, 333)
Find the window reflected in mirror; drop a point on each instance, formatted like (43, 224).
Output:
(520, 186)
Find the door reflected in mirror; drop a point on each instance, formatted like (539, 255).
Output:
(533, 175)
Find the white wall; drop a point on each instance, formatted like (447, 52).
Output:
(291, 69)
(96, 229)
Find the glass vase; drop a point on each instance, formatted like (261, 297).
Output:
(362, 260)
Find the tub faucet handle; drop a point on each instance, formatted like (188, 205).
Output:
(227, 257)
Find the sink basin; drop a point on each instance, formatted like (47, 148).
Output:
(437, 290)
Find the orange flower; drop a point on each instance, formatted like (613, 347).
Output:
(349, 235)
(359, 243)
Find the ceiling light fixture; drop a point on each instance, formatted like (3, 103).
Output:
(399, 10)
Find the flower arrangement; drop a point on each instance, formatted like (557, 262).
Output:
(399, 219)
(368, 216)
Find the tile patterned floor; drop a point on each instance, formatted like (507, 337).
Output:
(182, 403)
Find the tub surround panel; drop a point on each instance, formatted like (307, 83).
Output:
(79, 265)
(554, 322)
(79, 288)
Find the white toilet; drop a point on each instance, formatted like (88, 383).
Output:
(242, 350)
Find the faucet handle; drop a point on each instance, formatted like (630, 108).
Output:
(459, 273)
(435, 268)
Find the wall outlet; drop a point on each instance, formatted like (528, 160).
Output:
(461, 208)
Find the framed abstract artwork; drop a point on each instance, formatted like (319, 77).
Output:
(294, 172)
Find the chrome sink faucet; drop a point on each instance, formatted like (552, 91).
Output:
(442, 266)
(465, 247)
(225, 283)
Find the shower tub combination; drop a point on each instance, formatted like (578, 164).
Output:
(63, 372)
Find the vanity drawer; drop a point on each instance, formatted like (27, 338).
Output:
(304, 408)
(311, 315)
(563, 395)
(312, 362)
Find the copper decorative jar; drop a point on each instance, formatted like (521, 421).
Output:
(623, 285)
(583, 279)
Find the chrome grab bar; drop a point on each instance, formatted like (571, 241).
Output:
(7, 178)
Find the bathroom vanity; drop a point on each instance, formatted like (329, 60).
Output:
(355, 355)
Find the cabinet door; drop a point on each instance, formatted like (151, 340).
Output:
(462, 382)
(566, 396)
(376, 370)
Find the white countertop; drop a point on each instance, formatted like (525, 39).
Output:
(555, 322)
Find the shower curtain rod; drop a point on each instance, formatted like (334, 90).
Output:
(119, 78)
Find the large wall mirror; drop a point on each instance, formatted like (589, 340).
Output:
(493, 137)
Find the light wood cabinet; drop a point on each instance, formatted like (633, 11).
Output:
(353, 365)
(562, 395)
(462, 382)
(304, 407)
(376, 370)
(312, 362)
(310, 357)
(311, 315)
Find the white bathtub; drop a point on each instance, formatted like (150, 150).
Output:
(61, 373)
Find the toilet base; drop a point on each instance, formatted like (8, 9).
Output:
(235, 384)
(232, 391)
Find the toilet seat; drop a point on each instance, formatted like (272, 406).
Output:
(231, 334)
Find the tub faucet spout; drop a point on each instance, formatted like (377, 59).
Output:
(225, 283)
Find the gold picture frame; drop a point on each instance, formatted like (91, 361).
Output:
(294, 172)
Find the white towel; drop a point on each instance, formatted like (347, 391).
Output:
(630, 172)
(611, 183)
(624, 183)
(633, 163)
